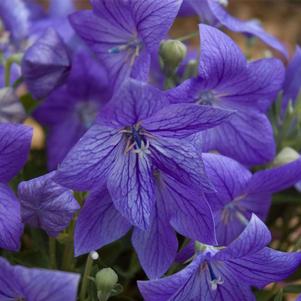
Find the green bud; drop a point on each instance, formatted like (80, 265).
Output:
(172, 52)
(105, 280)
(285, 156)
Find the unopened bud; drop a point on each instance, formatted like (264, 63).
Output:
(286, 155)
(105, 280)
(172, 52)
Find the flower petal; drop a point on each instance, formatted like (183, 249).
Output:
(98, 223)
(11, 227)
(133, 102)
(221, 59)
(183, 120)
(130, 183)
(180, 160)
(89, 161)
(189, 211)
(275, 179)
(15, 141)
(157, 246)
(249, 27)
(246, 137)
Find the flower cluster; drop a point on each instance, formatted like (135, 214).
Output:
(183, 149)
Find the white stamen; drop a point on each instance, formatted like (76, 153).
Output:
(224, 2)
(214, 283)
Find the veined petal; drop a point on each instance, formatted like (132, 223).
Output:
(90, 160)
(180, 160)
(249, 27)
(15, 141)
(98, 223)
(227, 176)
(264, 267)
(157, 246)
(275, 179)
(190, 213)
(132, 103)
(254, 238)
(183, 120)
(154, 19)
(165, 288)
(11, 227)
(221, 59)
(247, 137)
(130, 183)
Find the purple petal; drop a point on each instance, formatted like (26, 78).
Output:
(189, 211)
(90, 160)
(227, 176)
(15, 141)
(180, 160)
(166, 288)
(275, 179)
(132, 103)
(157, 246)
(256, 88)
(183, 120)
(15, 17)
(264, 267)
(11, 227)
(249, 27)
(46, 64)
(40, 284)
(221, 59)
(130, 183)
(254, 238)
(246, 137)
(98, 223)
(46, 205)
(11, 109)
(154, 19)
(292, 83)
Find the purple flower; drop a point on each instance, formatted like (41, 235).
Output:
(123, 34)
(176, 208)
(11, 109)
(46, 205)
(292, 83)
(226, 273)
(226, 80)
(213, 13)
(15, 141)
(239, 193)
(46, 64)
(137, 133)
(15, 17)
(21, 283)
(70, 110)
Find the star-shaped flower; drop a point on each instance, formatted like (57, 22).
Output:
(226, 80)
(124, 33)
(139, 132)
(226, 273)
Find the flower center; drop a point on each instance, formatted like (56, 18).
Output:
(137, 139)
(206, 98)
(214, 279)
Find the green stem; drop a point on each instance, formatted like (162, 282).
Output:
(15, 58)
(52, 253)
(188, 37)
(88, 268)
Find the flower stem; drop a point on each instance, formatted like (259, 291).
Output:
(88, 268)
(52, 253)
(188, 37)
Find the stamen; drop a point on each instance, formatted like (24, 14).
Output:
(206, 98)
(215, 281)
